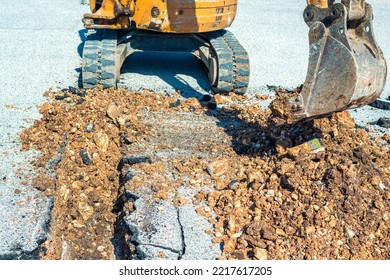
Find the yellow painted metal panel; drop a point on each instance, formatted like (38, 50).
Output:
(318, 3)
(176, 16)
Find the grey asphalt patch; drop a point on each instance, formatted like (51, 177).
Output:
(155, 228)
(24, 218)
(161, 230)
(198, 244)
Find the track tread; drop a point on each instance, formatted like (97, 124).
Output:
(241, 63)
(99, 62)
(233, 62)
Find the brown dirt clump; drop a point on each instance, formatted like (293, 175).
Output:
(44, 182)
(315, 190)
(282, 112)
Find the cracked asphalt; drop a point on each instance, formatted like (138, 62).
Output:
(40, 48)
(162, 226)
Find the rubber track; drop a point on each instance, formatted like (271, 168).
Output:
(225, 63)
(240, 62)
(99, 59)
(234, 66)
(91, 60)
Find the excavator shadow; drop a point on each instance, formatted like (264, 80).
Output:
(83, 38)
(160, 71)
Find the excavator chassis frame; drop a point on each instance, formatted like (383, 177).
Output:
(226, 60)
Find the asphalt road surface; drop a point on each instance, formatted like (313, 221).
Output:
(40, 48)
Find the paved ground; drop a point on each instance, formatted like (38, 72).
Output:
(40, 48)
(165, 226)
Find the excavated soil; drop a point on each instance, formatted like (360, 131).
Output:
(315, 190)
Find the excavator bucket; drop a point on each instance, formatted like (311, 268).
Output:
(346, 67)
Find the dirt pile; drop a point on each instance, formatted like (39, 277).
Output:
(311, 191)
(308, 191)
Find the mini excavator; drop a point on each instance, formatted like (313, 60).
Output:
(346, 67)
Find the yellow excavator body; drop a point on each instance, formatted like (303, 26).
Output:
(122, 27)
(173, 16)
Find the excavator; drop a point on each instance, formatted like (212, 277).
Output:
(346, 67)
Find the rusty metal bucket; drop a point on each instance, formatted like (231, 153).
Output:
(346, 67)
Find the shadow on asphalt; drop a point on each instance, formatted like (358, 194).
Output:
(173, 69)
(83, 37)
(80, 47)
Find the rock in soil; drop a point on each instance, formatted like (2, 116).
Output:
(384, 122)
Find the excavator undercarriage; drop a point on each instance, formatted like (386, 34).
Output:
(226, 60)
(164, 26)
(346, 67)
